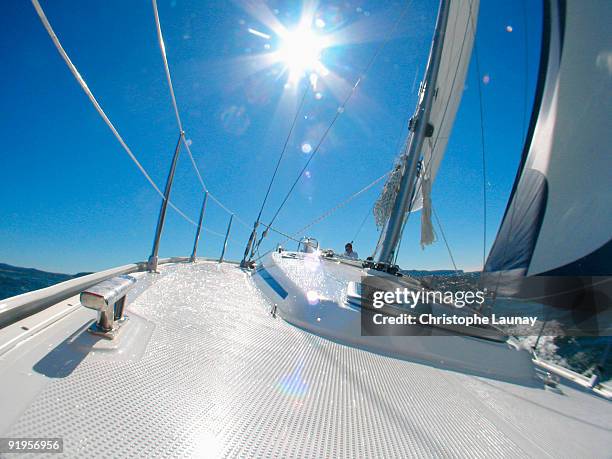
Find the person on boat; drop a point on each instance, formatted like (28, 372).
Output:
(348, 251)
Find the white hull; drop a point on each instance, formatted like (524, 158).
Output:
(333, 317)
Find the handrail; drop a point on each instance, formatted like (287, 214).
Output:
(24, 305)
(602, 389)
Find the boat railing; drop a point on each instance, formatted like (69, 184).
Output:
(183, 142)
(18, 307)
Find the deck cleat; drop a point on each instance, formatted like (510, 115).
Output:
(108, 298)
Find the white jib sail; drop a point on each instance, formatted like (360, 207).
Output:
(455, 58)
(456, 53)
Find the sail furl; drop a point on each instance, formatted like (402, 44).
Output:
(384, 204)
(428, 235)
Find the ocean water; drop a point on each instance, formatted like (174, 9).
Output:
(583, 354)
(15, 280)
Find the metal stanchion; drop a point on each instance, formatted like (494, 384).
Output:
(197, 236)
(152, 263)
(229, 227)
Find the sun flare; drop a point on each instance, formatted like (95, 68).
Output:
(300, 51)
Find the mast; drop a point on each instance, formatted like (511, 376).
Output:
(419, 127)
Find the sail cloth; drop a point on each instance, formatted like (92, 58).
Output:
(428, 235)
(456, 54)
(454, 61)
(554, 245)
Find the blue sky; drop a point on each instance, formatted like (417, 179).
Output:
(73, 201)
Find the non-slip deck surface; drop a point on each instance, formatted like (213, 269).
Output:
(214, 374)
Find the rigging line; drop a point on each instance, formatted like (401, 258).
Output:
(325, 214)
(379, 242)
(398, 147)
(274, 230)
(229, 211)
(526, 73)
(450, 253)
(259, 257)
(399, 244)
(419, 184)
(280, 158)
(162, 48)
(405, 219)
(417, 189)
(340, 109)
(214, 232)
(432, 146)
(195, 167)
(257, 243)
(193, 163)
(331, 211)
(363, 222)
(414, 195)
(181, 213)
(452, 87)
(83, 84)
(482, 142)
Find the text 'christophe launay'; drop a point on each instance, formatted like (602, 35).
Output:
(444, 319)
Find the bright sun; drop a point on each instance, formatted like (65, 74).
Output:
(301, 52)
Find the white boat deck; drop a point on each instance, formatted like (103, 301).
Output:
(203, 369)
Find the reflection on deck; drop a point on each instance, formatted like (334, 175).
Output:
(218, 375)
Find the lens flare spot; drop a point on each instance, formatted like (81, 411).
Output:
(314, 78)
(486, 79)
(293, 384)
(306, 148)
(235, 119)
(312, 297)
(509, 28)
(312, 261)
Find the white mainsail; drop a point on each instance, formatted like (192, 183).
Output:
(456, 52)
